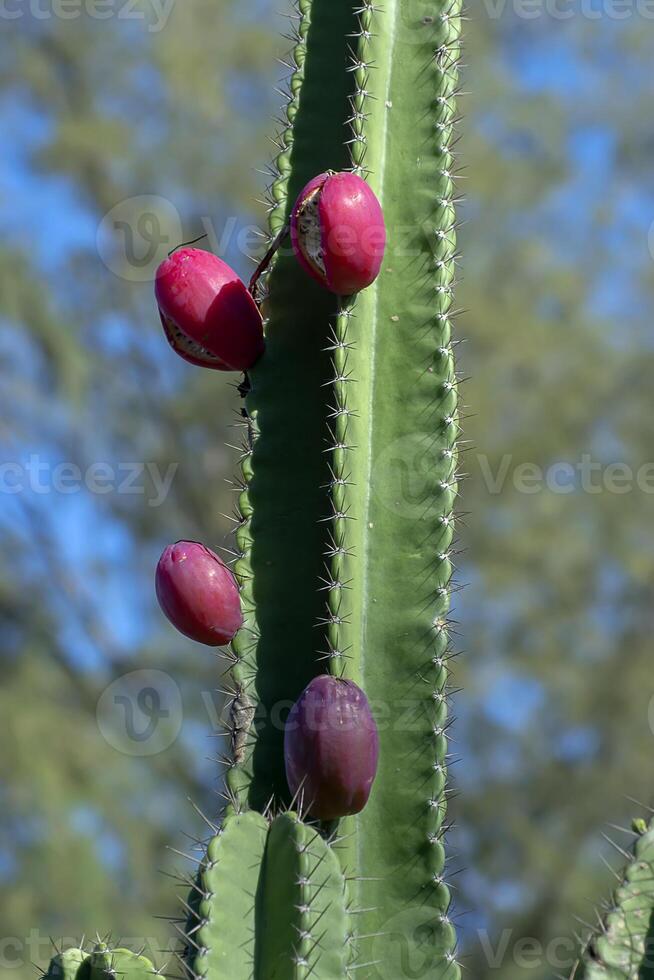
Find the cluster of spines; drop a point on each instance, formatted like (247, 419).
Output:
(242, 659)
(276, 197)
(443, 246)
(360, 67)
(338, 551)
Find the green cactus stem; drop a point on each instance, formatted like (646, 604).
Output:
(71, 964)
(221, 928)
(104, 963)
(272, 904)
(120, 964)
(362, 394)
(623, 947)
(304, 920)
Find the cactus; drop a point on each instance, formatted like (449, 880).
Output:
(623, 947)
(360, 583)
(270, 901)
(344, 543)
(103, 963)
(67, 965)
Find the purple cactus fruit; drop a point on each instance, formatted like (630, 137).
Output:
(338, 232)
(331, 747)
(198, 593)
(209, 317)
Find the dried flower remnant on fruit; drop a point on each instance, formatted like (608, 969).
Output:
(309, 233)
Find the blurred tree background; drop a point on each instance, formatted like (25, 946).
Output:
(554, 726)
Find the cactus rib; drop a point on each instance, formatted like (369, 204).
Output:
(304, 921)
(221, 929)
(244, 646)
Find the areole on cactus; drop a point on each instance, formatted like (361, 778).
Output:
(336, 569)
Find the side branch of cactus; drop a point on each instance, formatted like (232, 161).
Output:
(103, 962)
(622, 947)
(269, 903)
